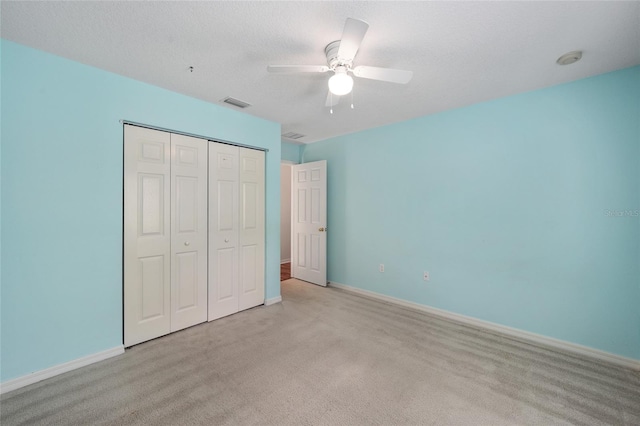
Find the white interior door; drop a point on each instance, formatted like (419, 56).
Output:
(309, 222)
(147, 242)
(188, 231)
(223, 229)
(251, 228)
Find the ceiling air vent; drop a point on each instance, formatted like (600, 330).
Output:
(292, 135)
(236, 102)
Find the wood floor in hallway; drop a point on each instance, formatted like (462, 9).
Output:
(285, 271)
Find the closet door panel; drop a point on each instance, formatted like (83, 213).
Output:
(248, 268)
(251, 235)
(147, 241)
(151, 271)
(226, 275)
(188, 231)
(226, 206)
(186, 190)
(186, 266)
(223, 230)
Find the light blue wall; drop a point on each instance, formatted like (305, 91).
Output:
(507, 204)
(62, 199)
(291, 152)
(0, 208)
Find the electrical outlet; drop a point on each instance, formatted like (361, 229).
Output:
(426, 276)
(381, 267)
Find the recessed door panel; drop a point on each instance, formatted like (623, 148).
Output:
(301, 259)
(150, 151)
(249, 164)
(316, 206)
(248, 268)
(301, 206)
(151, 204)
(187, 204)
(186, 265)
(225, 205)
(227, 161)
(226, 274)
(186, 156)
(314, 252)
(152, 295)
(249, 205)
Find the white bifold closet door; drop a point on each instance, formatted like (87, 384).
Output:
(165, 233)
(236, 229)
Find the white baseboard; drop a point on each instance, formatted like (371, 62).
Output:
(283, 261)
(529, 337)
(47, 373)
(273, 301)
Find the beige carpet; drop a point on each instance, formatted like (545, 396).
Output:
(328, 357)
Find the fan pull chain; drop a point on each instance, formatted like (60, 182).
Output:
(331, 102)
(352, 99)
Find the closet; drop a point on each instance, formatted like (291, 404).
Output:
(193, 231)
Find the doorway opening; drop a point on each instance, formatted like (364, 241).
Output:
(285, 220)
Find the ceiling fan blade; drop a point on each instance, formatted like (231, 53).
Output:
(332, 100)
(286, 69)
(383, 74)
(352, 35)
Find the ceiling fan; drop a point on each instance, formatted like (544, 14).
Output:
(340, 56)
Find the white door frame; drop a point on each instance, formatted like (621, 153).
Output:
(288, 163)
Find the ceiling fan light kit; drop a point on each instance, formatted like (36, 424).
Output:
(340, 55)
(340, 83)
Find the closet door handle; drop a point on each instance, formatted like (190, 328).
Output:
(186, 243)
(226, 240)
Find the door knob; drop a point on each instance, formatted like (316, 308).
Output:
(226, 240)
(321, 229)
(186, 243)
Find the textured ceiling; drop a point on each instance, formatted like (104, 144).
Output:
(461, 53)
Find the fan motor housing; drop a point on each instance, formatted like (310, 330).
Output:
(332, 56)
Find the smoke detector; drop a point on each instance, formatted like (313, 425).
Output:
(570, 58)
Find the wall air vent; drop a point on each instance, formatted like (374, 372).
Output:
(292, 135)
(236, 102)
